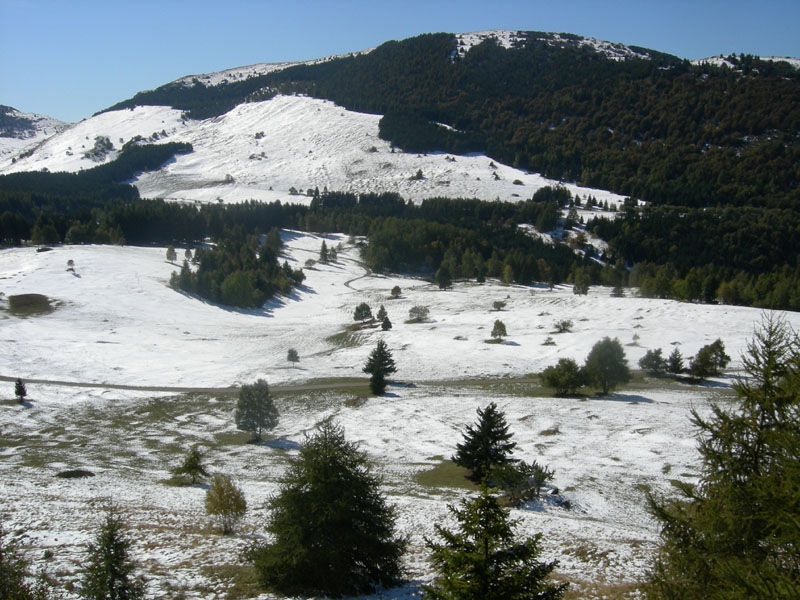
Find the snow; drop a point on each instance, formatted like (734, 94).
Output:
(117, 322)
(43, 127)
(307, 144)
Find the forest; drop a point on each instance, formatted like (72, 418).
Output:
(658, 129)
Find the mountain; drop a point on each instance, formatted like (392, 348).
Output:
(630, 120)
(21, 131)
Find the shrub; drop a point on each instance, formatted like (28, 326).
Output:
(225, 502)
(417, 314)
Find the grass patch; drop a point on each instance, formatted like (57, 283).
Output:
(30, 305)
(349, 338)
(233, 438)
(446, 474)
(240, 581)
(552, 431)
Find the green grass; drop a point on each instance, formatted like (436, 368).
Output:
(446, 474)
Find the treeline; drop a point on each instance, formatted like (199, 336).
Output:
(735, 255)
(660, 129)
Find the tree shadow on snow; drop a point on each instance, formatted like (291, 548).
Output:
(620, 397)
(280, 444)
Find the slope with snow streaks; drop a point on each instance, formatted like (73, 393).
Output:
(262, 150)
(21, 131)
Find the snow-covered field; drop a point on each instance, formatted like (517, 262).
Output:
(117, 322)
(261, 150)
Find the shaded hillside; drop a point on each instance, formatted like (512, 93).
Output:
(657, 128)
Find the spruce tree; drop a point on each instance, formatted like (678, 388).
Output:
(486, 444)
(379, 364)
(332, 530)
(382, 314)
(735, 534)
(675, 362)
(483, 558)
(386, 325)
(109, 571)
(20, 390)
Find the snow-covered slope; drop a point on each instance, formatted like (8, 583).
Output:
(21, 131)
(722, 61)
(262, 150)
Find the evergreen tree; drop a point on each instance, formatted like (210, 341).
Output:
(362, 312)
(395, 293)
(675, 362)
(735, 534)
(606, 365)
(108, 574)
(172, 256)
(386, 325)
(20, 390)
(483, 558)
(255, 410)
(418, 313)
(566, 376)
(192, 465)
(486, 444)
(379, 364)
(333, 532)
(499, 330)
(381, 313)
(292, 356)
(653, 362)
(225, 502)
(15, 582)
(443, 277)
(323, 253)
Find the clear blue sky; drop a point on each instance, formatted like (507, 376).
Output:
(71, 58)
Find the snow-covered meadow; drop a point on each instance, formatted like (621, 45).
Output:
(116, 322)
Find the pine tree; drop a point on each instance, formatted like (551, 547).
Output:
(15, 583)
(332, 530)
(379, 364)
(735, 534)
(566, 376)
(172, 256)
(443, 277)
(225, 502)
(382, 314)
(499, 330)
(386, 325)
(606, 365)
(395, 293)
(108, 574)
(323, 252)
(362, 312)
(255, 410)
(486, 444)
(192, 465)
(483, 559)
(20, 390)
(292, 356)
(653, 362)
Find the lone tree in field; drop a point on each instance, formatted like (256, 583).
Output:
(362, 312)
(417, 314)
(486, 444)
(192, 465)
(225, 502)
(499, 330)
(172, 256)
(566, 376)
(386, 325)
(108, 574)
(292, 356)
(379, 364)
(255, 410)
(606, 365)
(735, 534)
(484, 559)
(20, 391)
(332, 530)
(395, 293)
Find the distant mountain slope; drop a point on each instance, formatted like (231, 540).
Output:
(20, 131)
(632, 120)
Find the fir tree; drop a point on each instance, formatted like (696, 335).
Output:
(292, 356)
(675, 362)
(332, 531)
(109, 571)
(20, 390)
(499, 330)
(483, 559)
(382, 314)
(362, 312)
(653, 362)
(386, 325)
(323, 253)
(735, 534)
(172, 256)
(486, 444)
(379, 364)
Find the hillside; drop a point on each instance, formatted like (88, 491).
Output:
(20, 131)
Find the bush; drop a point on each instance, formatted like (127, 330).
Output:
(563, 326)
(417, 314)
(566, 376)
(225, 502)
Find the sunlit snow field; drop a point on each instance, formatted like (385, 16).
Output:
(116, 322)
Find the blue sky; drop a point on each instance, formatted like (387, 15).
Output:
(71, 58)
